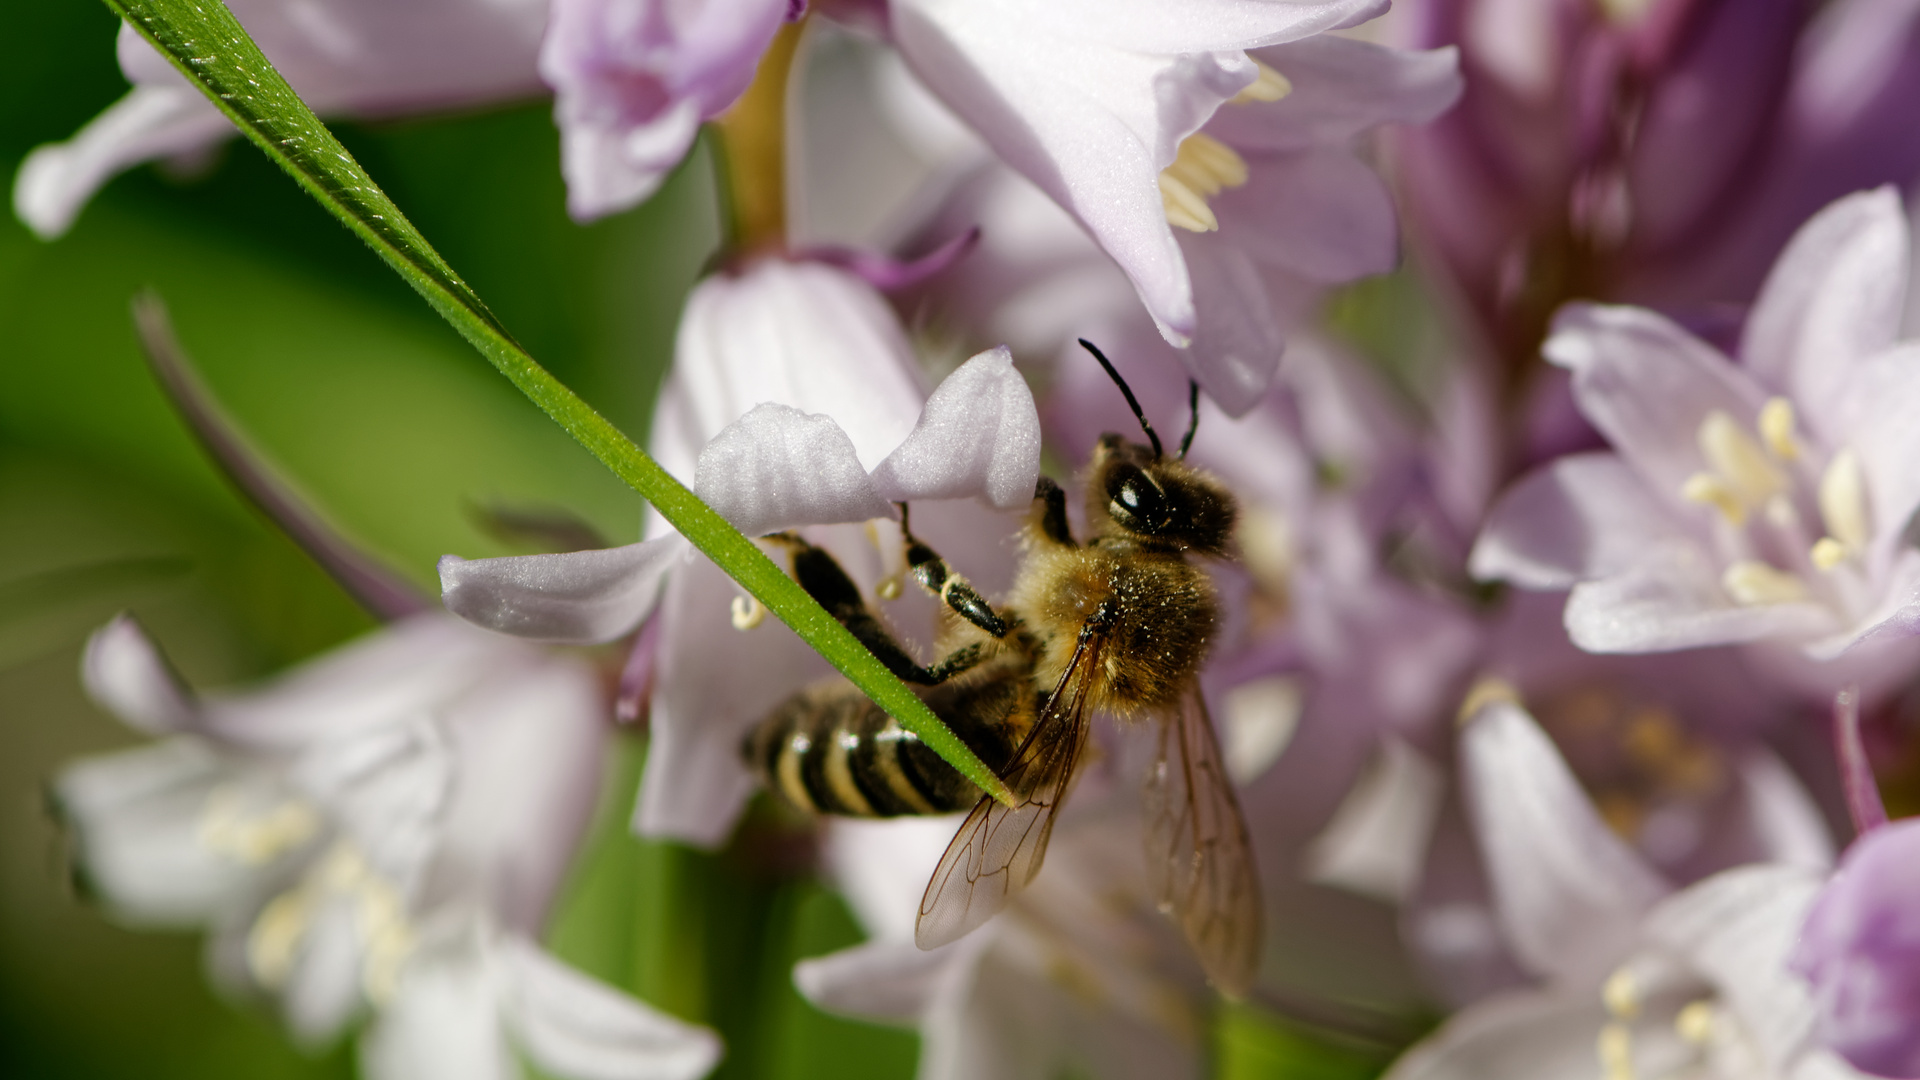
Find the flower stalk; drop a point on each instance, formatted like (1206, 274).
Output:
(208, 45)
(754, 151)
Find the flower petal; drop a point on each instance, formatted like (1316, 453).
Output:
(136, 820)
(1671, 599)
(57, 179)
(1237, 341)
(1833, 298)
(577, 1027)
(1647, 385)
(1788, 823)
(1341, 88)
(1737, 928)
(887, 981)
(1319, 213)
(1377, 840)
(126, 674)
(443, 1022)
(1570, 893)
(1147, 26)
(777, 468)
(979, 436)
(810, 336)
(1580, 517)
(1526, 1036)
(714, 683)
(577, 596)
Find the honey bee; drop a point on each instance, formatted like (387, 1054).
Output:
(1119, 625)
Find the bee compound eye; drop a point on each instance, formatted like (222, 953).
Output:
(1133, 500)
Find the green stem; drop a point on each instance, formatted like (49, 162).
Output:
(208, 45)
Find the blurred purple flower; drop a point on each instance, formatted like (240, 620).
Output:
(1659, 153)
(1764, 501)
(344, 57)
(381, 829)
(1860, 949)
(635, 79)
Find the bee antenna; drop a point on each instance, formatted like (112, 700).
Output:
(1193, 417)
(1132, 402)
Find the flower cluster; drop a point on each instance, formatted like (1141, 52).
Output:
(1554, 557)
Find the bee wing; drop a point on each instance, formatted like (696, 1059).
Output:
(1199, 860)
(998, 849)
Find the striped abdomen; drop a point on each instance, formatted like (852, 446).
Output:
(829, 750)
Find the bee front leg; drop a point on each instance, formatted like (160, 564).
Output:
(821, 576)
(1051, 514)
(930, 570)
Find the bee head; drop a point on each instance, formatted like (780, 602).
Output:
(1160, 500)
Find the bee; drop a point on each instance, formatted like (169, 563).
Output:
(1118, 625)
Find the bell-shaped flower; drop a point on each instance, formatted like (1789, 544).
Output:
(1080, 974)
(1765, 500)
(1636, 979)
(634, 80)
(379, 830)
(1256, 210)
(344, 57)
(792, 402)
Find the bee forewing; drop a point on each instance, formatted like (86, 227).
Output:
(998, 849)
(1199, 859)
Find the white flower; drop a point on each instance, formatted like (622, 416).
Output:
(1763, 501)
(380, 829)
(792, 402)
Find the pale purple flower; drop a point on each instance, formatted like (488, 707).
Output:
(1757, 501)
(351, 58)
(1636, 979)
(634, 80)
(792, 402)
(1263, 207)
(381, 830)
(1860, 949)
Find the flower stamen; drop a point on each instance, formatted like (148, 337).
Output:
(1269, 85)
(1752, 582)
(1843, 508)
(1776, 428)
(1203, 167)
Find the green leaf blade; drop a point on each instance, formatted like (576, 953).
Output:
(209, 46)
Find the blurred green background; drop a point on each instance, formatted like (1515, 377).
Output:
(382, 416)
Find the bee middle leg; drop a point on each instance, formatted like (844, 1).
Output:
(930, 570)
(821, 576)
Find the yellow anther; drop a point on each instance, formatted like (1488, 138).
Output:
(275, 937)
(1185, 209)
(1776, 428)
(1268, 85)
(1615, 1047)
(1843, 501)
(1621, 994)
(1653, 736)
(1486, 690)
(1202, 167)
(1752, 582)
(253, 839)
(1828, 553)
(889, 587)
(748, 612)
(1711, 490)
(1695, 1022)
(1731, 453)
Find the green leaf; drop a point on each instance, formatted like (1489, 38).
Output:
(208, 45)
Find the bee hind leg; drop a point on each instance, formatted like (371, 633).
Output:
(931, 571)
(821, 576)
